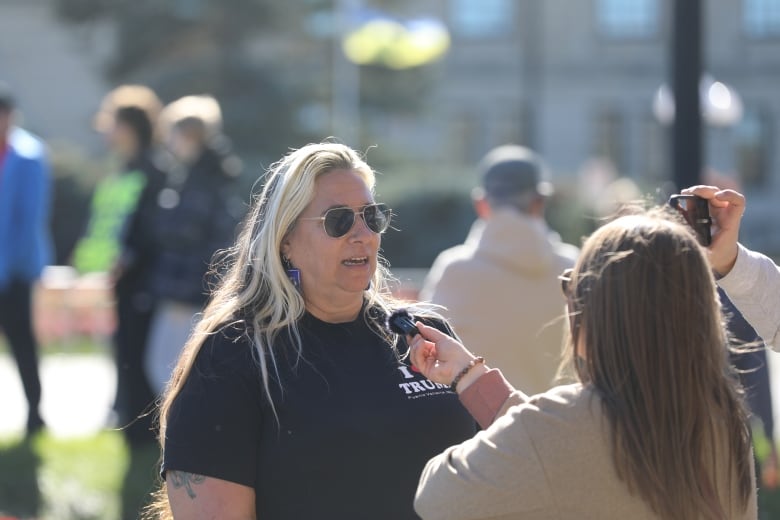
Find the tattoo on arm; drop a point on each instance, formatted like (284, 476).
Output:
(181, 479)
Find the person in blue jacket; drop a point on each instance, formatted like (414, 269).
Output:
(25, 246)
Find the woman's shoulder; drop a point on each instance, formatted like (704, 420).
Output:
(566, 396)
(565, 426)
(229, 346)
(574, 404)
(225, 364)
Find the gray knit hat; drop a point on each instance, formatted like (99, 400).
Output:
(511, 170)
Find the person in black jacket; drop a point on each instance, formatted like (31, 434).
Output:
(198, 213)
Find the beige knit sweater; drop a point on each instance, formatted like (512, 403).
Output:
(502, 280)
(544, 457)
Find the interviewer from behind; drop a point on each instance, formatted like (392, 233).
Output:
(750, 279)
(655, 427)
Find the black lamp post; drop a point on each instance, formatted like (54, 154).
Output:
(687, 138)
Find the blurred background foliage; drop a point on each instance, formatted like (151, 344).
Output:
(218, 46)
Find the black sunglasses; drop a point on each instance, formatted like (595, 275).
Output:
(339, 221)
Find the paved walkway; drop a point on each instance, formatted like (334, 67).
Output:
(78, 391)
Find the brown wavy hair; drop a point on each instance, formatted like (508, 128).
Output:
(646, 317)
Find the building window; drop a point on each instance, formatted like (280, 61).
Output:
(482, 18)
(608, 138)
(761, 18)
(752, 140)
(628, 18)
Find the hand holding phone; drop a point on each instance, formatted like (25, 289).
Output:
(696, 212)
(726, 209)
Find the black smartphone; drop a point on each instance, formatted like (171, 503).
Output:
(696, 212)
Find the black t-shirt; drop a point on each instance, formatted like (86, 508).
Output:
(355, 427)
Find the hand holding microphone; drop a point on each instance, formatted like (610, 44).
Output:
(443, 359)
(439, 357)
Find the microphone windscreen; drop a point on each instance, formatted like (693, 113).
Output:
(400, 322)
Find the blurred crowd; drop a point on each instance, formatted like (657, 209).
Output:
(156, 220)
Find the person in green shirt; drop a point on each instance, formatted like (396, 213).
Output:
(120, 241)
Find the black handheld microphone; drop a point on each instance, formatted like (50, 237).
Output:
(401, 322)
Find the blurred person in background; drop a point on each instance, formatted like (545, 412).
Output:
(654, 427)
(25, 245)
(291, 400)
(499, 287)
(119, 240)
(199, 210)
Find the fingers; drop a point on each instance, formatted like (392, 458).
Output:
(445, 347)
(733, 198)
(717, 197)
(431, 333)
(726, 209)
(706, 192)
(701, 190)
(417, 347)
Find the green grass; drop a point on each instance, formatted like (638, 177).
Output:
(91, 478)
(769, 504)
(99, 477)
(77, 345)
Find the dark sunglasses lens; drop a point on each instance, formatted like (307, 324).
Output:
(339, 221)
(377, 217)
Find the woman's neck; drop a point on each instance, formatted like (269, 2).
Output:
(334, 313)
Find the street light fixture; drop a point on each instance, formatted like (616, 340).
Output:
(721, 105)
(364, 37)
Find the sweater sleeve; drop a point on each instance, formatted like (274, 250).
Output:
(489, 397)
(753, 285)
(496, 474)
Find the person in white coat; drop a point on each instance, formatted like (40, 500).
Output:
(500, 287)
(751, 280)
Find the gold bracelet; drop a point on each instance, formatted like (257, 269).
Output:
(474, 362)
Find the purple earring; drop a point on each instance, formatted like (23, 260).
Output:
(293, 273)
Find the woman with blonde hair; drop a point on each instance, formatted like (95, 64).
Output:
(654, 428)
(290, 400)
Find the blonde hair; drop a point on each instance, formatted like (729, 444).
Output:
(255, 288)
(124, 96)
(204, 109)
(644, 307)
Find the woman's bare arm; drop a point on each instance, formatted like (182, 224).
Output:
(197, 497)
